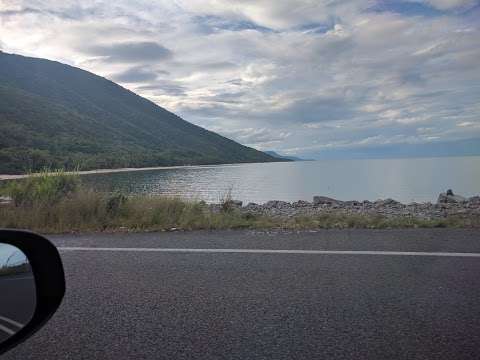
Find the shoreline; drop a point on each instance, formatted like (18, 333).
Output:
(62, 205)
(97, 212)
(4, 177)
(447, 206)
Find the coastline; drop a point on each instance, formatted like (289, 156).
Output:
(447, 206)
(85, 211)
(119, 170)
(58, 203)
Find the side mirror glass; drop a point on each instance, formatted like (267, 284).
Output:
(17, 289)
(32, 285)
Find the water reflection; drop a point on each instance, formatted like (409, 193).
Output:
(403, 179)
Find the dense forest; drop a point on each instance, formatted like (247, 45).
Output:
(54, 115)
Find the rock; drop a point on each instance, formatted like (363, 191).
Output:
(5, 200)
(276, 204)
(390, 202)
(352, 203)
(450, 198)
(474, 200)
(301, 204)
(387, 203)
(323, 200)
(454, 205)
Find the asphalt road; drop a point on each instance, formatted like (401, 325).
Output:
(17, 303)
(392, 295)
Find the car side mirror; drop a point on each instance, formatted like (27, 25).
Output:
(32, 285)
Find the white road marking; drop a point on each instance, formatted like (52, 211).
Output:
(274, 251)
(13, 322)
(7, 330)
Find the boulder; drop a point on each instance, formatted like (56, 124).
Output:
(387, 203)
(450, 198)
(276, 204)
(323, 200)
(301, 204)
(352, 203)
(5, 200)
(474, 200)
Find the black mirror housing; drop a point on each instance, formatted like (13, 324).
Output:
(49, 279)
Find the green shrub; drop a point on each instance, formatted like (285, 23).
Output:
(45, 187)
(56, 202)
(115, 202)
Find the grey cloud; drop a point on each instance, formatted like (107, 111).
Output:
(310, 110)
(254, 136)
(210, 110)
(218, 65)
(212, 24)
(229, 98)
(67, 13)
(236, 82)
(136, 74)
(146, 51)
(163, 87)
(329, 72)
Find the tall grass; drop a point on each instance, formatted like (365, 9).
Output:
(46, 187)
(57, 202)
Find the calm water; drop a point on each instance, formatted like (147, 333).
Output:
(405, 180)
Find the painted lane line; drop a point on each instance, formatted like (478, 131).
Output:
(273, 251)
(12, 322)
(7, 330)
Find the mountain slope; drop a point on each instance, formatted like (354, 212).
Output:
(283, 157)
(56, 115)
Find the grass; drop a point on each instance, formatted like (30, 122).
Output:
(14, 270)
(56, 202)
(46, 187)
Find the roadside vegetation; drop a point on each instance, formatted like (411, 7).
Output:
(58, 202)
(14, 270)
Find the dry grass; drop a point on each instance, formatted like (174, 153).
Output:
(58, 203)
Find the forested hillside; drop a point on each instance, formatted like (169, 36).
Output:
(55, 115)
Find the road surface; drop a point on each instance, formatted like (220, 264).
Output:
(333, 294)
(17, 303)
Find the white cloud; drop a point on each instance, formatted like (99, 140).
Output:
(283, 74)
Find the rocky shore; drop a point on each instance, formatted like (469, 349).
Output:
(448, 204)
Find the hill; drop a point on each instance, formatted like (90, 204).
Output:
(284, 157)
(56, 115)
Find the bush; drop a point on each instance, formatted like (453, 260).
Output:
(57, 203)
(115, 202)
(45, 187)
(226, 201)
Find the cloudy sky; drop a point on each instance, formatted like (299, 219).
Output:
(300, 77)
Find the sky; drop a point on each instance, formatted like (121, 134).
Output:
(10, 255)
(302, 78)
